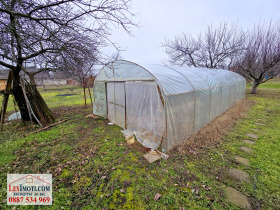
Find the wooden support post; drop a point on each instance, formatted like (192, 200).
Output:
(29, 107)
(90, 96)
(27, 102)
(84, 92)
(6, 98)
(4, 108)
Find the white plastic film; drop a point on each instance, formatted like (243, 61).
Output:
(99, 99)
(180, 118)
(192, 97)
(145, 114)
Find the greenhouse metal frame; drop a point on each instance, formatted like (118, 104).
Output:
(164, 105)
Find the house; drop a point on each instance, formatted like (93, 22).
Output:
(46, 78)
(51, 78)
(4, 73)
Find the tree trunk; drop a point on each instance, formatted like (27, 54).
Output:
(254, 87)
(37, 103)
(19, 97)
(32, 79)
(39, 106)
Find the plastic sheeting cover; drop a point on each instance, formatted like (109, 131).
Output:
(192, 97)
(145, 113)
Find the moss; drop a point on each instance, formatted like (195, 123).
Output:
(66, 173)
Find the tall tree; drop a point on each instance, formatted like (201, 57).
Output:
(45, 29)
(215, 48)
(260, 60)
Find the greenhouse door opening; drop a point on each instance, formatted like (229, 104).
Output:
(116, 103)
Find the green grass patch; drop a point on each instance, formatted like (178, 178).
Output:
(52, 100)
(93, 168)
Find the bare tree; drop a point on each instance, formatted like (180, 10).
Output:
(45, 29)
(116, 56)
(215, 48)
(79, 62)
(260, 60)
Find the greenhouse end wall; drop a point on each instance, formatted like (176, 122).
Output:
(166, 105)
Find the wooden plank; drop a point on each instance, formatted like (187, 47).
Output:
(90, 96)
(26, 100)
(49, 126)
(4, 108)
(151, 157)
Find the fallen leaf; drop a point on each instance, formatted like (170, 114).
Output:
(103, 177)
(175, 184)
(193, 190)
(107, 195)
(208, 188)
(157, 196)
(122, 190)
(196, 191)
(204, 186)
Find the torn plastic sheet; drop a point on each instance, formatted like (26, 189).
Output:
(127, 133)
(147, 139)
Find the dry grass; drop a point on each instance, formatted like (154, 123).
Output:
(211, 134)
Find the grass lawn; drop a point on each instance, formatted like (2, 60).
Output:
(92, 166)
(50, 96)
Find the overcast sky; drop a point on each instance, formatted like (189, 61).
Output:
(160, 19)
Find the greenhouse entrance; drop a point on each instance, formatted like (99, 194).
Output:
(116, 103)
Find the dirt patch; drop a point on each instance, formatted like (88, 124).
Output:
(136, 146)
(70, 110)
(211, 134)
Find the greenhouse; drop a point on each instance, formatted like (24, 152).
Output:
(164, 105)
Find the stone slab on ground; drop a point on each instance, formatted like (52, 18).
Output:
(241, 160)
(246, 149)
(249, 142)
(237, 198)
(254, 136)
(239, 175)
